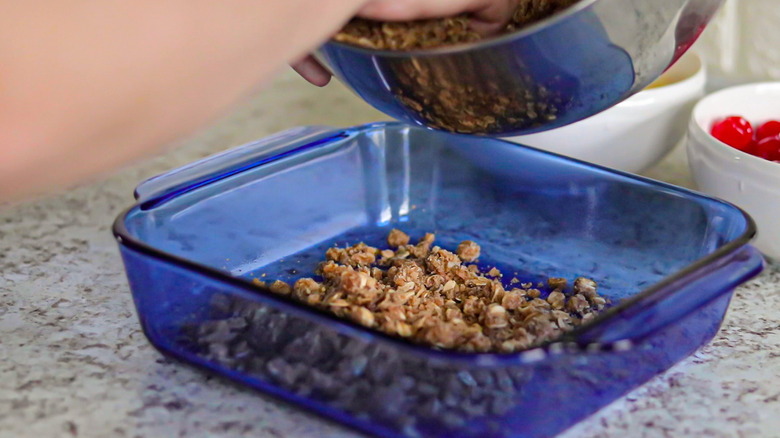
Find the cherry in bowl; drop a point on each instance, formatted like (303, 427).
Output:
(738, 132)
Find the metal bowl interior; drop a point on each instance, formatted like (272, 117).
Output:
(559, 71)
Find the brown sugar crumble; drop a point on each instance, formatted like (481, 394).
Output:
(468, 251)
(431, 296)
(480, 100)
(397, 238)
(426, 34)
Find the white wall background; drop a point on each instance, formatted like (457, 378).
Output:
(743, 43)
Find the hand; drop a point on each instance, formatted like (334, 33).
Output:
(487, 17)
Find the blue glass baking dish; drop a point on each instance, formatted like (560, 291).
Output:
(668, 259)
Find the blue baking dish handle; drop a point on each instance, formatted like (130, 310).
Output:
(675, 300)
(168, 185)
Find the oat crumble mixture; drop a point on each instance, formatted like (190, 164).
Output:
(480, 100)
(426, 34)
(434, 297)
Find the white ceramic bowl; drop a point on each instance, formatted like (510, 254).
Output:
(749, 182)
(638, 132)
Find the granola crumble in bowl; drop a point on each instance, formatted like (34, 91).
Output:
(433, 33)
(559, 62)
(220, 258)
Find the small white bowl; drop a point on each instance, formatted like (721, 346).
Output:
(749, 182)
(638, 132)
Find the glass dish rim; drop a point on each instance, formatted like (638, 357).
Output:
(565, 344)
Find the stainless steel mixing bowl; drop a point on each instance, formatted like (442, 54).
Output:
(553, 73)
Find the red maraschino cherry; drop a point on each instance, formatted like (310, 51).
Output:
(768, 148)
(734, 131)
(768, 129)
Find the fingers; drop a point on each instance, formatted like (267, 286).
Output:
(311, 70)
(488, 16)
(493, 17)
(407, 10)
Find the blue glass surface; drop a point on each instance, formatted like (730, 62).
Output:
(668, 258)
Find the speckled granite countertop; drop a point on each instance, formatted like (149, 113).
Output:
(75, 363)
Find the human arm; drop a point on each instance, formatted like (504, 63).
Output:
(86, 86)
